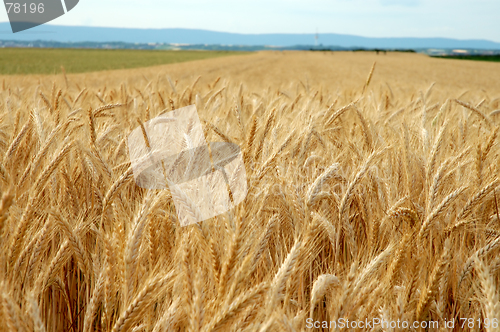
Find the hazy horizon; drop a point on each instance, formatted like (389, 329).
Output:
(76, 34)
(368, 18)
(319, 33)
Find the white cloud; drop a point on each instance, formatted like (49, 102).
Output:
(406, 3)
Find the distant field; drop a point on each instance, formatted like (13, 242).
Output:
(49, 61)
(493, 58)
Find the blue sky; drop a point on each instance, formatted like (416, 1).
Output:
(461, 19)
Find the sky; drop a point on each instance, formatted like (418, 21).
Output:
(460, 19)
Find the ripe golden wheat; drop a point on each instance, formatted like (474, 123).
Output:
(362, 203)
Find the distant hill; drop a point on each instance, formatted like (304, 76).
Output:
(190, 36)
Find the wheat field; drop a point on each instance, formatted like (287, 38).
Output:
(373, 193)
